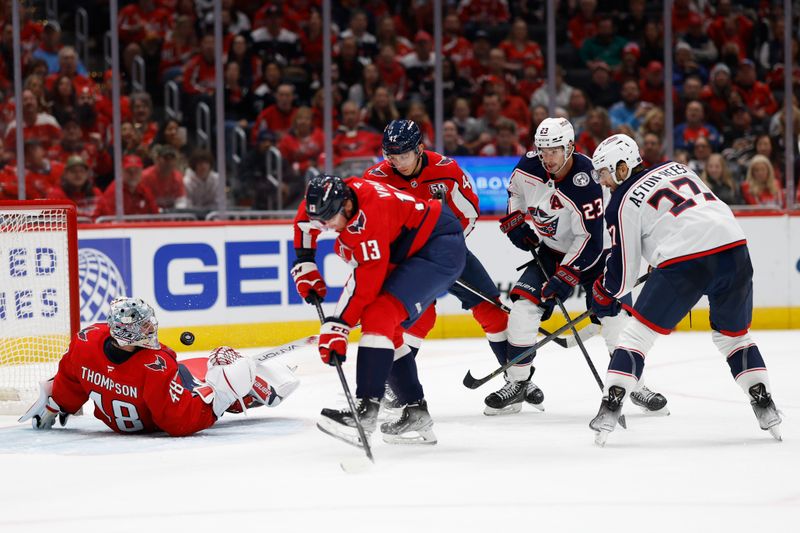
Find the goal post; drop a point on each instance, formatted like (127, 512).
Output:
(39, 300)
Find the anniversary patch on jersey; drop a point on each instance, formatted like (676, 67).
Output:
(438, 190)
(359, 224)
(581, 179)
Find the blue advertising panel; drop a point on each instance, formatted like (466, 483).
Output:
(490, 177)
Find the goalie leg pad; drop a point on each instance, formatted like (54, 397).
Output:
(274, 383)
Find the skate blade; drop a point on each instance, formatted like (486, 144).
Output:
(775, 431)
(423, 436)
(664, 411)
(352, 440)
(537, 406)
(510, 410)
(600, 438)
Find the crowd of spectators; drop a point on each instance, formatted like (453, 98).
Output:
(728, 92)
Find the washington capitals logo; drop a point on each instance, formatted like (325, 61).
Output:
(359, 225)
(82, 334)
(546, 225)
(159, 365)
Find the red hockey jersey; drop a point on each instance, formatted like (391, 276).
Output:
(439, 174)
(387, 227)
(141, 395)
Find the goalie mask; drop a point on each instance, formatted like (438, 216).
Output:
(132, 322)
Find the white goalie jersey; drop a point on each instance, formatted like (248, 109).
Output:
(664, 215)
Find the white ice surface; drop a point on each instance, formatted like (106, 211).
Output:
(707, 467)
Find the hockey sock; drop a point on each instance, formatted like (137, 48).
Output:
(624, 370)
(522, 370)
(373, 364)
(404, 379)
(744, 359)
(499, 348)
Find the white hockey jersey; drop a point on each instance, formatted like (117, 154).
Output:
(664, 215)
(567, 214)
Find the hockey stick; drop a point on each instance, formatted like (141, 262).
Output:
(564, 342)
(284, 349)
(472, 383)
(361, 433)
(575, 332)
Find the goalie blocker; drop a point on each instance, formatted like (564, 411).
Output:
(138, 386)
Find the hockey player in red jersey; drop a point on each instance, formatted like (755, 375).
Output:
(404, 253)
(428, 175)
(138, 386)
(667, 216)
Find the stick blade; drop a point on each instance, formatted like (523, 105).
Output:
(470, 382)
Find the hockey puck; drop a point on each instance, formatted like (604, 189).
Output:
(187, 338)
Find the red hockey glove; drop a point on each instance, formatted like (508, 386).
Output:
(560, 284)
(603, 304)
(333, 337)
(308, 281)
(518, 231)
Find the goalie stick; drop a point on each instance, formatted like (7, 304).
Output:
(568, 341)
(284, 349)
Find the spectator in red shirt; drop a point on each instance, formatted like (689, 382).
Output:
(482, 131)
(163, 180)
(37, 125)
(454, 45)
(505, 142)
(386, 35)
(695, 126)
(513, 107)
(392, 73)
(142, 111)
(136, 198)
(178, 48)
(652, 151)
(490, 15)
(77, 186)
(476, 64)
(629, 67)
(141, 20)
(598, 128)
(311, 41)
(520, 50)
(199, 73)
(72, 144)
(757, 95)
(730, 27)
(68, 66)
(40, 174)
(419, 113)
(651, 85)
(716, 95)
(353, 139)
(278, 117)
(760, 186)
(302, 145)
(583, 24)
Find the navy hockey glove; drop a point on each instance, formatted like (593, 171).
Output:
(560, 284)
(518, 231)
(603, 304)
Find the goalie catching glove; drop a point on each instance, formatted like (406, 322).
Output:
(43, 413)
(518, 231)
(229, 379)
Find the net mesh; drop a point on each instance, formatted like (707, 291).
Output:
(35, 327)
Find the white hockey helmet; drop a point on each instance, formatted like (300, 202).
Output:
(555, 133)
(132, 322)
(614, 149)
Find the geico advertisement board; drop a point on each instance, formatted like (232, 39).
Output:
(239, 274)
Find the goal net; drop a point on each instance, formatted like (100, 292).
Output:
(38, 296)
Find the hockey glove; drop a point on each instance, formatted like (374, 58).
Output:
(333, 336)
(308, 281)
(42, 414)
(560, 284)
(518, 231)
(230, 378)
(603, 304)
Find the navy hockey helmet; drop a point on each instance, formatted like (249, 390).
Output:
(324, 197)
(401, 136)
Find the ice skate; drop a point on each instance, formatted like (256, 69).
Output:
(650, 402)
(390, 405)
(534, 396)
(508, 400)
(767, 414)
(413, 427)
(341, 424)
(608, 415)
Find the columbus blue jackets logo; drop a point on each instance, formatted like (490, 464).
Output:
(159, 365)
(359, 225)
(546, 225)
(581, 179)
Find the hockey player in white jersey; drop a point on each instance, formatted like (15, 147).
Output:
(554, 185)
(669, 218)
